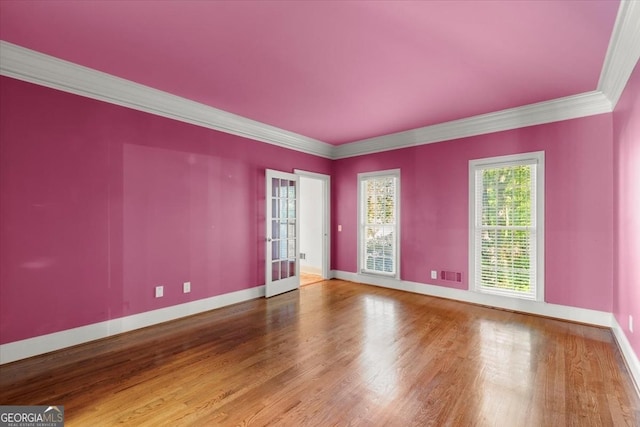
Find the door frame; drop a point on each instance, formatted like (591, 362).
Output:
(326, 218)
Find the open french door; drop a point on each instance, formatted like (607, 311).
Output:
(283, 229)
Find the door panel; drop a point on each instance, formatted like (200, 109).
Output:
(282, 264)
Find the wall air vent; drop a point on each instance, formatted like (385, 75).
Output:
(451, 276)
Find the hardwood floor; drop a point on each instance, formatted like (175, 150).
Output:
(308, 278)
(338, 353)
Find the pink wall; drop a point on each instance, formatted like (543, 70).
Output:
(434, 210)
(626, 140)
(100, 203)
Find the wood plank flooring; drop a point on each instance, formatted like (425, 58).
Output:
(338, 353)
(308, 278)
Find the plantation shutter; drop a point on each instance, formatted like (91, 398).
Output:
(505, 229)
(379, 230)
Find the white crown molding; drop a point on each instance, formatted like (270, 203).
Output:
(571, 107)
(34, 67)
(30, 347)
(623, 53)
(622, 56)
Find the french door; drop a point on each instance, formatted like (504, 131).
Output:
(283, 229)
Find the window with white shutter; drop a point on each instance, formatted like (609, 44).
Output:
(506, 225)
(378, 233)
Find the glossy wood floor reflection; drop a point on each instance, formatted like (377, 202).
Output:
(338, 353)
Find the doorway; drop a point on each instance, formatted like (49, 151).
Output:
(314, 227)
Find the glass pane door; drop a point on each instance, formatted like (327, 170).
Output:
(282, 233)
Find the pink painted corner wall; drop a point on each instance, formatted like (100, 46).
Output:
(626, 140)
(100, 203)
(434, 206)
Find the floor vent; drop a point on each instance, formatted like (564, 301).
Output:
(451, 276)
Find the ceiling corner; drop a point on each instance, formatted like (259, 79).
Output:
(44, 70)
(623, 53)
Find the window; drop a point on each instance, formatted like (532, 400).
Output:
(378, 233)
(506, 225)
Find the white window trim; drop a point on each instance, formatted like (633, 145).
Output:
(365, 175)
(538, 158)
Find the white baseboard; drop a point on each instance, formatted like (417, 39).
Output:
(17, 350)
(574, 314)
(629, 356)
(308, 269)
(45, 343)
